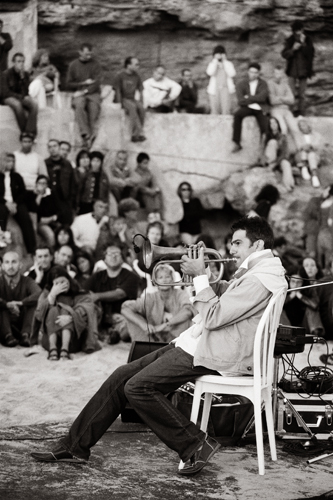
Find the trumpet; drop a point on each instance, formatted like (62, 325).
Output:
(154, 253)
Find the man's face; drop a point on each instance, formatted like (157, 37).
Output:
(164, 276)
(85, 54)
(278, 74)
(64, 150)
(134, 66)
(253, 74)
(41, 186)
(241, 246)
(43, 259)
(100, 209)
(26, 145)
(54, 149)
(11, 265)
(187, 76)
(113, 258)
(19, 64)
(159, 74)
(121, 160)
(154, 235)
(63, 256)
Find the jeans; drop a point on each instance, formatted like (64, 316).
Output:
(145, 383)
(241, 113)
(302, 83)
(136, 115)
(87, 108)
(26, 113)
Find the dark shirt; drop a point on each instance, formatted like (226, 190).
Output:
(245, 98)
(299, 62)
(48, 207)
(80, 71)
(193, 212)
(188, 97)
(126, 280)
(43, 283)
(4, 49)
(26, 291)
(126, 84)
(62, 179)
(17, 187)
(14, 84)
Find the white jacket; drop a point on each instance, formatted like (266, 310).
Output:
(154, 92)
(230, 72)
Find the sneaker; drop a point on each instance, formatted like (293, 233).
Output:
(315, 181)
(200, 458)
(306, 174)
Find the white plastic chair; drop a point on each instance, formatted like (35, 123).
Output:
(257, 388)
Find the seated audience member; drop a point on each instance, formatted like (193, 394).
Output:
(281, 99)
(147, 191)
(301, 307)
(43, 261)
(18, 299)
(129, 210)
(13, 201)
(6, 44)
(111, 288)
(159, 316)
(229, 268)
(62, 182)
(267, 197)
(128, 87)
(68, 317)
(308, 152)
(85, 265)
(277, 155)
(190, 225)
(318, 219)
(63, 257)
(47, 210)
(64, 236)
(121, 180)
(65, 149)
(112, 232)
(188, 98)
(84, 78)
(44, 78)
(15, 93)
(29, 165)
(290, 256)
(86, 227)
(160, 92)
(93, 185)
(221, 85)
(252, 96)
(82, 162)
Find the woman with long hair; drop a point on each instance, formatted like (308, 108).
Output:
(276, 153)
(190, 225)
(44, 76)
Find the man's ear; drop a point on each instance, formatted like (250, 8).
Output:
(260, 245)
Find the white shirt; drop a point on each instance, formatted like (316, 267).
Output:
(85, 231)
(8, 192)
(154, 92)
(253, 87)
(29, 166)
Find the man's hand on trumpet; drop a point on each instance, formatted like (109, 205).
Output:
(194, 267)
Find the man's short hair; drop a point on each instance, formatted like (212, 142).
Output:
(67, 144)
(297, 25)
(27, 135)
(127, 205)
(53, 140)
(128, 61)
(122, 151)
(86, 45)
(10, 155)
(256, 228)
(122, 247)
(40, 177)
(219, 49)
(141, 157)
(43, 247)
(17, 54)
(184, 71)
(255, 65)
(156, 224)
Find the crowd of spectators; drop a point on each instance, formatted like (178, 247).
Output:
(78, 219)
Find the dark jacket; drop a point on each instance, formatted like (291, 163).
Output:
(4, 49)
(26, 291)
(260, 97)
(305, 56)
(87, 189)
(17, 187)
(62, 180)
(15, 85)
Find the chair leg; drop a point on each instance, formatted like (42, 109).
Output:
(206, 411)
(259, 436)
(270, 425)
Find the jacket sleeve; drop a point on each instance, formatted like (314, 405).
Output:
(21, 192)
(287, 51)
(8, 42)
(229, 68)
(34, 292)
(6, 87)
(261, 97)
(212, 67)
(241, 92)
(175, 89)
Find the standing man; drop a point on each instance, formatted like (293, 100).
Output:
(299, 52)
(252, 95)
(6, 44)
(221, 342)
(84, 77)
(128, 87)
(18, 299)
(221, 83)
(62, 182)
(160, 92)
(15, 83)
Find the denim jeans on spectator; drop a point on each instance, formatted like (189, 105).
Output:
(145, 383)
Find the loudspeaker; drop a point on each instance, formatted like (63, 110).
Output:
(138, 350)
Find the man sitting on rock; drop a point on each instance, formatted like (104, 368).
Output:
(160, 92)
(86, 227)
(18, 299)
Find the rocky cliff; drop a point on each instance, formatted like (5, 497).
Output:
(182, 33)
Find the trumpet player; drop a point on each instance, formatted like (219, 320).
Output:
(219, 342)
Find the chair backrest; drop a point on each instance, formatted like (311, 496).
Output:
(264, 341)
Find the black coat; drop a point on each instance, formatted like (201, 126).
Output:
(17, 187)
(15, 85)
(307, 51)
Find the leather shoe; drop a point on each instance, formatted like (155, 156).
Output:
(25, 341)
(10, 341)
(200, 457)
(57, 456)
(237, 147)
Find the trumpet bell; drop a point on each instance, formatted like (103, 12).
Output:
(152, 253)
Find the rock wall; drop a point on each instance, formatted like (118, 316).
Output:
(182, 33)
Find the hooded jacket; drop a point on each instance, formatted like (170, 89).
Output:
(230, 321)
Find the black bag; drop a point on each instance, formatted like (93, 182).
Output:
(228, 418)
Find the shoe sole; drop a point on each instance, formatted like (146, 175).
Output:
(54, 461)
(192, 472)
